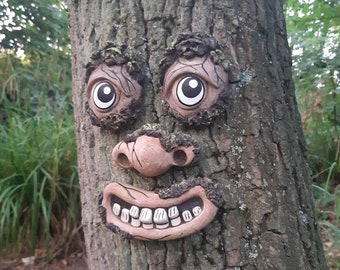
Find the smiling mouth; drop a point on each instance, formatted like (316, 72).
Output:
(173, 213)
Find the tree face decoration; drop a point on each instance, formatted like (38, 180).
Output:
(194, 79)
(192, 86)
(113, 88)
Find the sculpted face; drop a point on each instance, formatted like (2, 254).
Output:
(194, 88)
(111, 90)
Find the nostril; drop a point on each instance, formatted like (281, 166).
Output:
(180, 157)
(123, 160)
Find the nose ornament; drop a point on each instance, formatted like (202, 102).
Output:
(149, 157)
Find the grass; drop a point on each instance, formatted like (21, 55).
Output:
(327, 197)
(320, 123)
(39, 191)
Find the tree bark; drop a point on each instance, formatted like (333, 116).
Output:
(255, 154)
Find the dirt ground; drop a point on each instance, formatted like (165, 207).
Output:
(73, 262)
(78, 261)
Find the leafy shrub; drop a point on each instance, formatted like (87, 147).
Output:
(39, 192)
(314, 34)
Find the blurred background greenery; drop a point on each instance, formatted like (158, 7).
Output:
(314, 34)
(39, 192)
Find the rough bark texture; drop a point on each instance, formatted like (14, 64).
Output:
(255, 153)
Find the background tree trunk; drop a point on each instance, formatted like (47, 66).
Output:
(256, 153)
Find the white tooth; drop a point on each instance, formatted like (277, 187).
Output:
(173, 212)
(187, 215)
(116, 209)
(125, 215)
(175, 222)
(160, 216)
(146, 215)
(134, 211)
(162, 226)
(197, 210)
(135, 222)
(147, 225)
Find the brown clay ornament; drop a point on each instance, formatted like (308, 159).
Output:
(194, 78)
(152, 151)
(148, 157)
(113, 88)
(144, 215)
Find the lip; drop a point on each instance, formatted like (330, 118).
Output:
(194, 208)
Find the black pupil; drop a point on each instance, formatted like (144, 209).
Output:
(191, 87)
(106, 93)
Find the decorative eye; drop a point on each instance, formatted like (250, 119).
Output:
(104, 95)
(190, 91)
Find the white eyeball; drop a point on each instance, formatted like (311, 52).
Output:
(104, 95)
(190, 91)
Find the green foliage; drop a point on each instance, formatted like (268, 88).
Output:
(314, 32)
(37, 27)
(36, 85)
(328, 210)
(38, 177)
(39, 191)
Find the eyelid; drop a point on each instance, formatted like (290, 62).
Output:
(96, 81)
(215, 79)
(196, 70)
(174, 81)
(115, 81)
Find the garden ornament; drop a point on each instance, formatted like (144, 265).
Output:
(194, 83)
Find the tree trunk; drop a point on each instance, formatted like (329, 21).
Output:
(254, 154)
